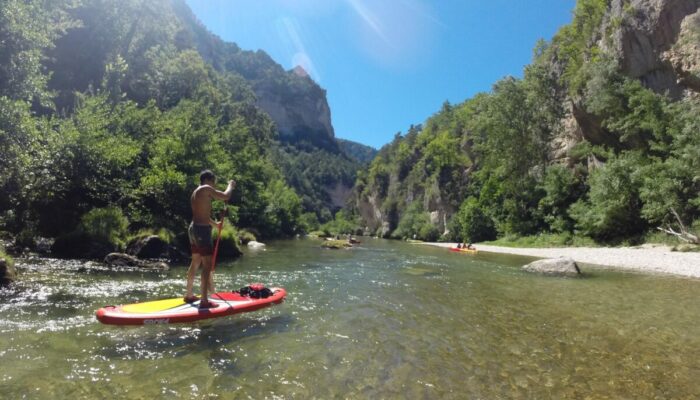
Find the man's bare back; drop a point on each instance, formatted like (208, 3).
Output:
(201, 202)
(199, 233)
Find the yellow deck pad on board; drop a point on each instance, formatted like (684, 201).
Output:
(153, 306)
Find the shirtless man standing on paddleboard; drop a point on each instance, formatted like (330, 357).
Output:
(199, 233)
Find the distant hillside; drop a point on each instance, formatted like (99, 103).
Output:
(358, 151)
(599, 138)
(111, 108)
(150, 38)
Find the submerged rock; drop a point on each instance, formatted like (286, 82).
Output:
(125, 260)
(564, 266)
(7, 272)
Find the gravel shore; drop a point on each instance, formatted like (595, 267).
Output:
(653, 259)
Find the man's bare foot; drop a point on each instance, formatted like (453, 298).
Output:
(191, 299)
(207, 304)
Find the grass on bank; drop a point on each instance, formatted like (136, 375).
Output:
(544, 240)
(569, 240)
(7, 258)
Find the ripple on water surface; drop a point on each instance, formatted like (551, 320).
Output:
(387, 320)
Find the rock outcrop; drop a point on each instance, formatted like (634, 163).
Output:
(256, 245)
(125, 260)
(299, 108)
(151, 246)
(554, 266)
(654, 41)
(7, 272)
(684, 56)
(647, 29)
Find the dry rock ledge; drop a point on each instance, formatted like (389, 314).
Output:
(651, 259)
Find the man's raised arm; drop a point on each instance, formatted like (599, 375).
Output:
(227, 194)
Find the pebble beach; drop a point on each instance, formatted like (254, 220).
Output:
(650, 259)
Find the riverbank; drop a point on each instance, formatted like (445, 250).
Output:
(652, 259)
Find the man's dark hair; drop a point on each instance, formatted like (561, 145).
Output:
(206, 175)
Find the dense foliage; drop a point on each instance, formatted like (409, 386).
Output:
(109, 111)
(494, 166)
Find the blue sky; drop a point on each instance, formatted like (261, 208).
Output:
(387, 64)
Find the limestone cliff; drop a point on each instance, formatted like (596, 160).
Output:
(299, 108)
(654, 41)
(646, 30)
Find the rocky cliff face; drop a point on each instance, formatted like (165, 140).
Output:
(647, 30)
(300, 110)
(654, 41)
(684, 55)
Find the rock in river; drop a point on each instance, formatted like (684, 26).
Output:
(255, 245)
(150, 246)
(563, 266)
(7, 272)
(125, 260)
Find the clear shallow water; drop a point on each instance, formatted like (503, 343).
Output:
(385, 320)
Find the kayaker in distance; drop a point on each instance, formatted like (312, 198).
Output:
(199, 233)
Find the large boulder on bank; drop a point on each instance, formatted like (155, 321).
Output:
(126, 260)
(563, 266)
(7, 272)
(150, 246)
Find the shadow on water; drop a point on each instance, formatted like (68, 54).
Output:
(182, 340)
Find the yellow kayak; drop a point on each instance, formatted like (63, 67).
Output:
(470, 251)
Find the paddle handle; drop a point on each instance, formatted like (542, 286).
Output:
(220, 226)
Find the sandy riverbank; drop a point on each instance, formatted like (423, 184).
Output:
(658, 259)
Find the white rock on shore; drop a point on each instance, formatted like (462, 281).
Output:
(652, 259)
(563, 266)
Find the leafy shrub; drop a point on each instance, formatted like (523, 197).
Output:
(321, 234)
(429, 232)
(612, 210)
(562, 189)
(309, 222)
(343, 224)
(411, 223)
(245, 236)
(108, 224)
(164, 234)
(7, 272)
(25, 239)
(472, 223)
(228, 246)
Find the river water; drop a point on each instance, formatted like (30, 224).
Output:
(382, 320)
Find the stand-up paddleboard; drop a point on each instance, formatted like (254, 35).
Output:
(470, 251)
(171, 311)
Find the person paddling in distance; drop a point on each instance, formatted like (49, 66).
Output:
(199, 233)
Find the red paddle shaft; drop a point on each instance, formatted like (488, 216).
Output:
(218, 239)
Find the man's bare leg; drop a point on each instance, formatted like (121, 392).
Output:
(211, 282)
(206, 278)
(194, 265)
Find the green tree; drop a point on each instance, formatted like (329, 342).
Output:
(27, 29)
(613, 208)
(472, 224)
